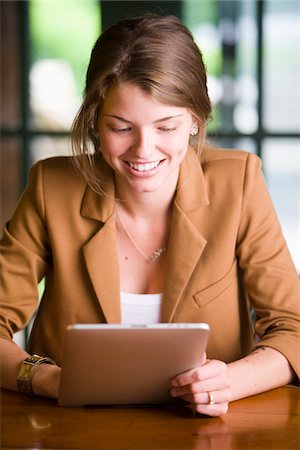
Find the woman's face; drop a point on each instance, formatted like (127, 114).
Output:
(143, 140)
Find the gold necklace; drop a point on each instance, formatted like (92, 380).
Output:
(155, 255)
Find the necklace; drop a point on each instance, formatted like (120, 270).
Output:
(155, 255)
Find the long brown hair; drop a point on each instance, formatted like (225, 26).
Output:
(156, 53)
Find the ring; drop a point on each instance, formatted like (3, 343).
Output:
(211, 400)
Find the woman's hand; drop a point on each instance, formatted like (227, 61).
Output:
(46, 380)
(46, 377)
(207, 388)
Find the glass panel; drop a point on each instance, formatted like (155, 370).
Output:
(46, 146)
(244, 144)
(281, 66)
(202, 19)
(11, 177)
(245, 116)
(281, 162)
(62, 36)
(226, 33)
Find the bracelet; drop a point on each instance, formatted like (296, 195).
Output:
(27, 370)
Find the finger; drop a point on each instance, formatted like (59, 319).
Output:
(216, 410)
(187, 378)
(212, 384)
(211, 369)
(205, 398)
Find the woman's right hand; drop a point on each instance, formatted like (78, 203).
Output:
(46, 377)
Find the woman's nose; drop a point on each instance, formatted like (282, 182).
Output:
(144, 144)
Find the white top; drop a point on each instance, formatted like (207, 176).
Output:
(140, 308)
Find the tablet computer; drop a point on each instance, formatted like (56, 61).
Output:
(127, 364)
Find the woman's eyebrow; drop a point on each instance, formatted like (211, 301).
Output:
(117, 117)
(163, 119)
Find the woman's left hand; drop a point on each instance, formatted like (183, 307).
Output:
(207, 388)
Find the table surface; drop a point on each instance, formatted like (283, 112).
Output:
(266, 421)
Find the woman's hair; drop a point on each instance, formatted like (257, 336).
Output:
(156, 53)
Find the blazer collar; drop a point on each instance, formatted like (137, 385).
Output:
(97, 206)
(191, 191)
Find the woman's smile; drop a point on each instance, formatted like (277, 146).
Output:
(144, 169)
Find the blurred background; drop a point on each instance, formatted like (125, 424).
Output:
(251, 50)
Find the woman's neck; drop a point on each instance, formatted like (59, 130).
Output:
(144, 208)
(145, 204)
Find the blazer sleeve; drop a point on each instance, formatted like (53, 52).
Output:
(269, 275)
(25, 257)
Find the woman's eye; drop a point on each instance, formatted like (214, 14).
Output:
(120, 130)
(167, 129)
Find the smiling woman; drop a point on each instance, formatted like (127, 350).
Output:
(123, 55)
(151, 210)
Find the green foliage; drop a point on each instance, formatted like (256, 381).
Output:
(200, 11)
(65, 29)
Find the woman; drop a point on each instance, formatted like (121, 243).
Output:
(148, 229)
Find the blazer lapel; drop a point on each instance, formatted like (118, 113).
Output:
(100, 253)
(186, 243)
(102, 264)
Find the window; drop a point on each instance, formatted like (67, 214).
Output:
(57, 70)
(251, 50)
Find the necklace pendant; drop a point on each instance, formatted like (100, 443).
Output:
(156, 254)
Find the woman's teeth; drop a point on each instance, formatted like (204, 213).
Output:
(143, 167)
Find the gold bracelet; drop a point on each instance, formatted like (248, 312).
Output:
(26, 372)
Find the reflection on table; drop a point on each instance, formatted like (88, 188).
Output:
(265, 421)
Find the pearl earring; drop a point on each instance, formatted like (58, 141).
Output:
(194, 130)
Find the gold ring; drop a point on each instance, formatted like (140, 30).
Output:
(211, 400)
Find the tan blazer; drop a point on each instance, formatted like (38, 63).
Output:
(226, 255)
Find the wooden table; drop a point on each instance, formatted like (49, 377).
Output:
(266, 421)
